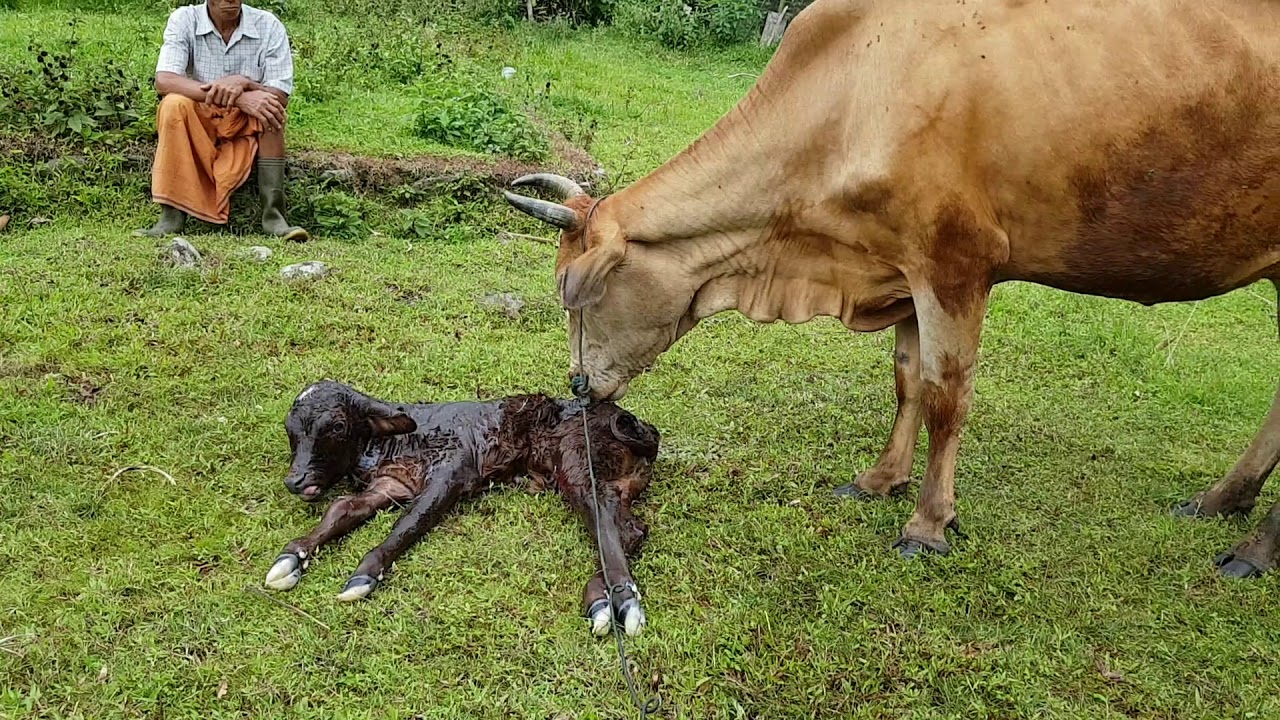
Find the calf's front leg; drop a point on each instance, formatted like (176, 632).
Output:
(344, 515)
(442, 492)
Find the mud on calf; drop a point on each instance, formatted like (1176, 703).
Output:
(432, 456)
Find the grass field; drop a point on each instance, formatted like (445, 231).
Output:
(1075, 594)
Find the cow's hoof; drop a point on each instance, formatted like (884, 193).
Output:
(1192, 508)
(599, 616)
(1234, 567)
(285, 573)
(357, 588)
(631, 615)
(850, 490)
(909, 548)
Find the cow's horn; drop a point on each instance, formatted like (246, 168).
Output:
(559, 183)
(548, 212)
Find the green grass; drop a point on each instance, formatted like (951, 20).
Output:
(1074, 595)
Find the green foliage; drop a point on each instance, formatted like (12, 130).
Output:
(692, 24)
(473, 117)
(338, 54)
(63, 95)
(337, 214)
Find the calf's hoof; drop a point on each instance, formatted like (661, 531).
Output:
(628, 614)
(631, 615)
(285, 573)
(1232, 566)
(598, 613)
(357, 588)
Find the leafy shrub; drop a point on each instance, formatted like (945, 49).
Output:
(691, 24)
(62, 95)
(337, 214)
(472, 117)
(386, 51)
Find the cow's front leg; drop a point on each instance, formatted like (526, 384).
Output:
(442, 492)
(344, 515)
(950, 330)
(893, 470)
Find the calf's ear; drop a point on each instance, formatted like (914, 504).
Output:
(386, 420)
(641, 437)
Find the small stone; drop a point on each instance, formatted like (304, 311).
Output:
(506, 302)
(4, 222)
(508, 72)
(260, 253)
(183, 254)
(311, 269)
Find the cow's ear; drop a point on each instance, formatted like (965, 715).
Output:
(582, 283)
(385, 420)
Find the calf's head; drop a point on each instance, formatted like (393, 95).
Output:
(628, 301)
(329, 426)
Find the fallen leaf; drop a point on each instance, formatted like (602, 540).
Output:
(4, 222)
(103, 673)
(222, 690)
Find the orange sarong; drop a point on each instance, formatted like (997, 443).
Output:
(205, 153)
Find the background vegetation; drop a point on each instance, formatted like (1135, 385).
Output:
(129, 594)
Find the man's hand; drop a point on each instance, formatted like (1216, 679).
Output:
(225, 90)
(263, 105)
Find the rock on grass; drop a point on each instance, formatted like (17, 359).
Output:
(183, 254)
(309, 270)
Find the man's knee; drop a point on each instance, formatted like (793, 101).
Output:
(174, 108)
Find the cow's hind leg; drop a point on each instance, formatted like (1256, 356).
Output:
(1238, 491)
(1257, 553)
(892, 470)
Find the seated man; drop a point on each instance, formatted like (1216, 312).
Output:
(224, 77)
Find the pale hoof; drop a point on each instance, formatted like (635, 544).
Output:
(599, 616)
(357, 588)
(633, 617)
(286, 572)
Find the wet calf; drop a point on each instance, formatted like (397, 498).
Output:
(430, 456)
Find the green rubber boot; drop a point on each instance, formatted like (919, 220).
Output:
(171, 221)
(271, 187)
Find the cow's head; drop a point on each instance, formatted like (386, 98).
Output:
(627, 302)
(329, 426)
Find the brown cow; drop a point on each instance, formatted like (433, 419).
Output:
(430, 456)
(896, 160)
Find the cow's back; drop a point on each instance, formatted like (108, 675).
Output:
(1126, 149)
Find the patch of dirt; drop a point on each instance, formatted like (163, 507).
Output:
(408, 296)
(426, 173)
(83, 391)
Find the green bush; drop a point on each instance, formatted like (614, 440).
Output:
(467, 115)
(691, 24)
(61, 95)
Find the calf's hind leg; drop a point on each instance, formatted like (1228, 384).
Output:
(343, 516)
(619, 535)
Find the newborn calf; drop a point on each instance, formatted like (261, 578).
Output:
(430, 456)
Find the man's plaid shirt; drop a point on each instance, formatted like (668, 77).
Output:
(259, 49)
